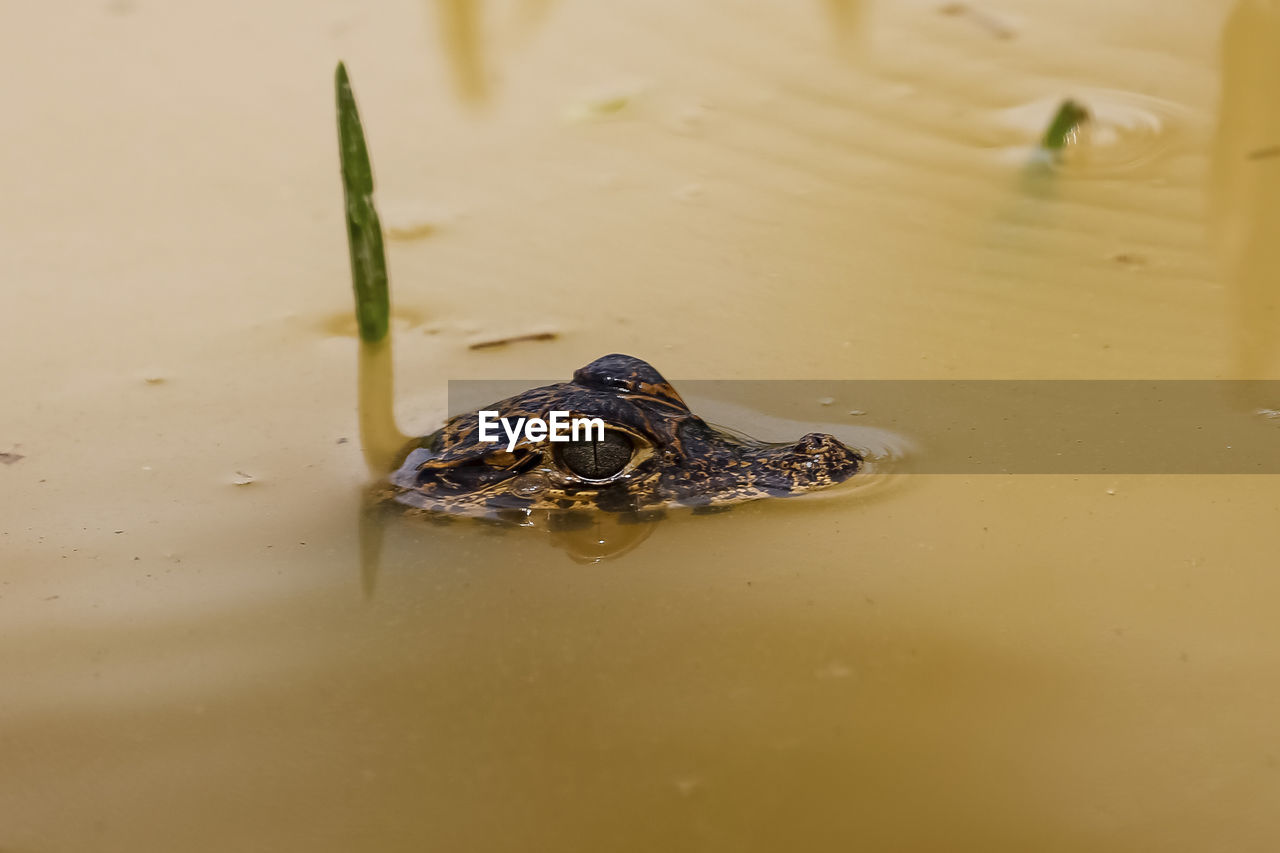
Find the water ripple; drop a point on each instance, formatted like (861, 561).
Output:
(1126, 132)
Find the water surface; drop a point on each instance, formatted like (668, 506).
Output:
(824, 191)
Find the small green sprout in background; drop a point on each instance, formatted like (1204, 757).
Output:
(1066, 123)
(364, 230)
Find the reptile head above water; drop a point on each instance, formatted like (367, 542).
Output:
(654, 453)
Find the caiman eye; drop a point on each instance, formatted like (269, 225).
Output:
(598, 460)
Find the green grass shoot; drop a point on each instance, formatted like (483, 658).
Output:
(1064, 125)
(364, 230)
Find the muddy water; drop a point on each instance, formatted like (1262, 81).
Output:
(769, 191)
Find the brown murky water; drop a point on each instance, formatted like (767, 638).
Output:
(731, 190)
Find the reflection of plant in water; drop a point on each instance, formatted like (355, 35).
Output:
(459, 30)
(1246, 186)
(461, 24)
(461, 35)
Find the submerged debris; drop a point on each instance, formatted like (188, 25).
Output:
(412, 220)
(607, 105)
(987, 21)
(687, 786)
(10, 458)
(604, 103)
(833, 669)
(689, 192)
(1264, 153)
(514, 339)
(689, 119)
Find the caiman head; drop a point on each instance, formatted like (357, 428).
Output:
(653, 453)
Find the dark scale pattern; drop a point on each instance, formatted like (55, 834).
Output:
(678, 459)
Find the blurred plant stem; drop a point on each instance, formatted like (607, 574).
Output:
(1065, 125)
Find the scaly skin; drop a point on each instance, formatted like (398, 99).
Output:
(678, 459)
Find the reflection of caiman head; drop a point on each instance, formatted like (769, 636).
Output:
(654, 453)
